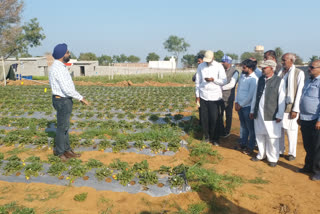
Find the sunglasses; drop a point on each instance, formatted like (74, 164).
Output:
(312, 67)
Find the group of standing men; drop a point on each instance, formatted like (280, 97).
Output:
(270, 105)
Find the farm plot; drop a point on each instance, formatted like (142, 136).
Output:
(146, 121)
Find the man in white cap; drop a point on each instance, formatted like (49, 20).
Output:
(210, 78)
(294, 79)
(267, 109)
(63, 91)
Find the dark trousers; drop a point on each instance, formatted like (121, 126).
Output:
(209, 112)
(226, 107)
(64, 109)
(311, 143)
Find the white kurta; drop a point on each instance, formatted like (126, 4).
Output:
(271, 128)
(288, 123)
(290, 126)
(269, 132)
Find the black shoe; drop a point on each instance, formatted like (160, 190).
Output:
(281, 155)
(226, 135)
(304, 170)
(291, 158)
(272, 164)
(316, 177)
(215, 143)
(255, 159)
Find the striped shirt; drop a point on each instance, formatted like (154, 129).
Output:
(61, 82)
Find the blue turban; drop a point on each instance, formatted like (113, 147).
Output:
(226, 59)
(59, 51)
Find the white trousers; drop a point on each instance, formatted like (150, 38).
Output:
(292, 141)
(268, 147)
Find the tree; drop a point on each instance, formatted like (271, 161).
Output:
(152, 57)
(313, 58)
(279, 53)
(88, 56)
(201, 52)
(166, 58)
(233, 56)
(72, 56)
(247, 55)
(105, 60)
(176, 46)
(218, 55)
(133, 59)
(17, 39)
(298, 61)
(189, 60)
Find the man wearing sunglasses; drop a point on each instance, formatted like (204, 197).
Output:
(294, 79)
(309, 121)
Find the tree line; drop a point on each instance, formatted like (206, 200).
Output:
(17, 38)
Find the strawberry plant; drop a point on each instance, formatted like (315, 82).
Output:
(1, 156)
(53, 159)
(78, 171)
(180, 169)
(178, 116)
(33, 159)
(12, 167)
(176, 181)
(13, 158)
(33, 169)
(93, 163)
(154, 117)
(125, 176)
(103, 173)
(139, 144)
(117, 164)
(174, 146)
(146, 178)
(141, 167)
(120, 144)
(164, 170)
(57, 169)
(156, 146)
(104, 144)
(74, 162)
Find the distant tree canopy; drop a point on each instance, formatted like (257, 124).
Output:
(176, 46)
(313, 58)
(16, 39)
(298, 61)
(279, 53)
(152, 57)
(247, 55)
(189, 61)
(119, 59)
(133, 59)
(233, 56)
(166, 58)
(88, 56)
(105, 60)
(72, 55)
(218, 55)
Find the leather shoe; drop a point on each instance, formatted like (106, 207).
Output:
(71, 154)
(272, 164)
(63, 158)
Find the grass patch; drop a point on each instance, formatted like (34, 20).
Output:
(80, 197)
(258, 180)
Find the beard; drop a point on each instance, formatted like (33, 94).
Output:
(66, 59)
(244, 72)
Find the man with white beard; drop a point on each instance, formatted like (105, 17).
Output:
(267, 110)
(294, 79)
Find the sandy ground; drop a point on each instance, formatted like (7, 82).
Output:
(286, 192)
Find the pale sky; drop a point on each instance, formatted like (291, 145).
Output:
(140, 27)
